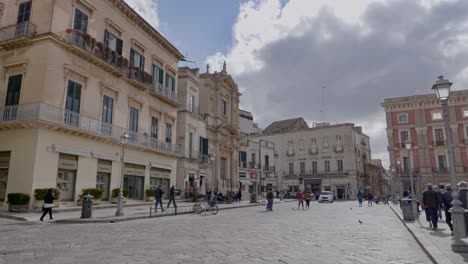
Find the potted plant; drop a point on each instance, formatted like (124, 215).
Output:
(178, 193)
(96, 193)
(115, 195)
(229, 197)
(18, 202)
(253, 198)
(150, 195)
(39, 195)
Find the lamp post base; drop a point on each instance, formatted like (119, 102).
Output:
(460, 247)
(120, 206)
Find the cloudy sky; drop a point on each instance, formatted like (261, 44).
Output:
(282, 53)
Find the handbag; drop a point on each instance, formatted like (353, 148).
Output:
(48, 205)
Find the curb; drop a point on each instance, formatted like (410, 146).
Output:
(124, 219)
(12, 217)
(428, 254)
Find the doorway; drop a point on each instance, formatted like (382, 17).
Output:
(340, 193)
(66, 184)
(134, 185)
(103, 183)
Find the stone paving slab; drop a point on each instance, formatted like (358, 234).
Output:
(437, 244)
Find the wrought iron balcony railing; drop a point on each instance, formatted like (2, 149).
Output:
(17, 31)
(76, 121)
(438, 143)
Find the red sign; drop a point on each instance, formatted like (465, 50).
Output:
(253, 175)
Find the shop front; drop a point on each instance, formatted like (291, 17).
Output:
(134, 179)
(66, 176)
(161, 177)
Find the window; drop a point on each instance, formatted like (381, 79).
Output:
(192, 104)
(106, 115)
(107, 109)
(338, 139)
(437, 115)
(442, 162)
(465, 113)
(72, 103)
(267, 161)
(301, 144)
(325, 141)
(403, 118)
(136, 59)
(327, 166)
(403, 137)
(113, 42)
(340, 165)
(133, 126)
(314, 141)
(302, 164)
(439, 136)
(81, 21)
(242, 159)
(291, 168)
(158, 77)
(223, 168)
(13, 90)
(253, 160)
(223, 107)
(154, 127)
(170, 83)
(190, 143)
(314, 166)
(24, 12)
(406, 164)
(204, 146)
(168, 133)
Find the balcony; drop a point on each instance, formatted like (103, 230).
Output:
(18, 35)
(438, 143)
(313, 150)
(440, 170)
(144, 80)
(253, 165)
(85, 46)
(317, 174)
(203, 158)
(268, 168)
(242, 164)
(14, 116)
(338, 148)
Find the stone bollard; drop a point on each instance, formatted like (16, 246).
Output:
(87, 207)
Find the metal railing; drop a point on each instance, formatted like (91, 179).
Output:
(253, 165)
(268, 168)
(440, 170)
(438, 143)
(69, 119)
(17, 31)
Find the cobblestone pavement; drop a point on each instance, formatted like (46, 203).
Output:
(327, 233)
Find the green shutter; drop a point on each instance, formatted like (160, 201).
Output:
(161, 76)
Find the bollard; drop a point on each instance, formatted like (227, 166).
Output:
(87, 208)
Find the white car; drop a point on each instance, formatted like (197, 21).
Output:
(325, 197)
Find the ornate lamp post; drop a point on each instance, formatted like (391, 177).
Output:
(442, 90)
(413, 191)
(123, 140)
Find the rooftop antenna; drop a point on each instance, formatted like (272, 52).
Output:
(322, 107)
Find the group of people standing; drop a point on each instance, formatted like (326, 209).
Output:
(369, 196)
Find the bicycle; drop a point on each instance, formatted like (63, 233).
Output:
(205, 206)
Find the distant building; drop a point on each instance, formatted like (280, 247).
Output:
(419, 119)
(376, 181)
(327, 157)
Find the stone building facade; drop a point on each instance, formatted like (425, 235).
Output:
(419, 119)
(195, 162)
(324, 157)
(219, 106)
(77, 75)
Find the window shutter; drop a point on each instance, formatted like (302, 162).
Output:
(205, 146)
(132, 59)
(161, 76)
(106, 38)
(142, 62)
(119, 46)
(77, 23)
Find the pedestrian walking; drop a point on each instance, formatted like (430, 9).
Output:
(430, 200)
(359, 197)
(463, 193)
(439, 193)
(405, 193)
(307, 198)
(447, 204)
(300, 199)
(172, 197)
(48, 204)
(370, 199)
(269, 200)
(158, 198)
(240, 195)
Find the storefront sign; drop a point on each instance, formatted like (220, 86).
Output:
(68, 162)
(253, 175)
(242, 174)
(104, 166)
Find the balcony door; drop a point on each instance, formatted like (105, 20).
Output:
(439, 136)
(24, 12)
(73, 103)
(12, 97)
(107, 114)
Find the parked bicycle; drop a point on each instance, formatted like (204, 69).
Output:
(205, 206)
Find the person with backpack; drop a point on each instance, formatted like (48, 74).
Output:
(307, 198)
(300, 199)
(158, 198)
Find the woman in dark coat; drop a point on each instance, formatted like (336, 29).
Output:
(48, 204)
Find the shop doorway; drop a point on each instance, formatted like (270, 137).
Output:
(340, 193)
(103, 183)
(134, 185)
(66, 176)
(4, 166)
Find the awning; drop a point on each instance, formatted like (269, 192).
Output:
(246, 182)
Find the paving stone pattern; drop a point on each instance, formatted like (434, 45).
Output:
(327, 233)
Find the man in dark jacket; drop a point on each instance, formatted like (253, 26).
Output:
(158, 198)
(431, 202)
(463, 194)
(270, 200)
(171, 197)
(447, 203)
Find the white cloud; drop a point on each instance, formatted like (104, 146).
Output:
(148, 9)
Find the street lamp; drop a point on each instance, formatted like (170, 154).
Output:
(123, 140)
(213, 158)
(413, 191)
(442, 90)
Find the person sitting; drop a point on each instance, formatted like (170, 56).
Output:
(220, 197)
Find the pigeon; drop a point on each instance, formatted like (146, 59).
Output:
(350, 208)
(360, 221)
